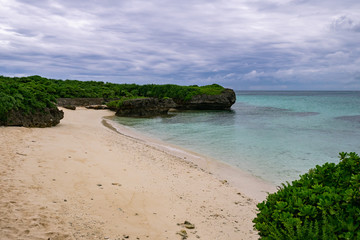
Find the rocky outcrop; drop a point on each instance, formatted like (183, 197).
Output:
(148, 107)
(145, 107)
(222, 101)
(47, 117)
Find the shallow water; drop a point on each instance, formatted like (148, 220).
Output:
(273, 135)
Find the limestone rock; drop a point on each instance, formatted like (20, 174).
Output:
(222, 101)
(47, 117)
(145, 107)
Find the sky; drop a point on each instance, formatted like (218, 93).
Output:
(241, 44)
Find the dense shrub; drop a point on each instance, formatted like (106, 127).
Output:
(183, 93)
(24, 95)
(323, 204)
(92, 89)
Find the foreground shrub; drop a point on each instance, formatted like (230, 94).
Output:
(323, 204)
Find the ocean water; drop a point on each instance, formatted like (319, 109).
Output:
(275, 136)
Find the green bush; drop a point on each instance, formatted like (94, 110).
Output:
(117, 103)
(323, 204)
(24, 94)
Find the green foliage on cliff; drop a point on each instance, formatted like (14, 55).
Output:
(323, 204)
(115, 104)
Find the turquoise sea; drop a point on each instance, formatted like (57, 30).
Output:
(274, 135)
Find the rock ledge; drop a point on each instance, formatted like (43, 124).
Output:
(145, 107)
(47, 117)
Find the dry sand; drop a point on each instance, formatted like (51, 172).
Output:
(84, 180)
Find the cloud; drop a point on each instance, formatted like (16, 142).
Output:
(241, 44)
(345, 23)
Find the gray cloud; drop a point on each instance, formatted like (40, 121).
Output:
(242, 44)
(345, 23)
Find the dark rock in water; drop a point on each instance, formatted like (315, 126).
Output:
(222, 101)
(145, 107)
(97, 107)
(47, 117)
(71, 107)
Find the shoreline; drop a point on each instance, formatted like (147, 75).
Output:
(248, 184)
(82, 180)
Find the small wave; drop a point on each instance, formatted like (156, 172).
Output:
(354, 118)
(303, 114)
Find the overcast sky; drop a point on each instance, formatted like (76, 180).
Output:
(242, 44)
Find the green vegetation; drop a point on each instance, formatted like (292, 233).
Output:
(323, 204)
(92, 89)
(35, 92)
(182, 93)
(24, 95)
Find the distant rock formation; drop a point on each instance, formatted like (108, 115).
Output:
(80, 102)
(145, 107)
(222, 101)
(47, 117)
(148, 107)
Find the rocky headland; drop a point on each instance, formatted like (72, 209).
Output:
(148, 107)
(222, 101)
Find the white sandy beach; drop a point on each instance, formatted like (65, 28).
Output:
(83, 180)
